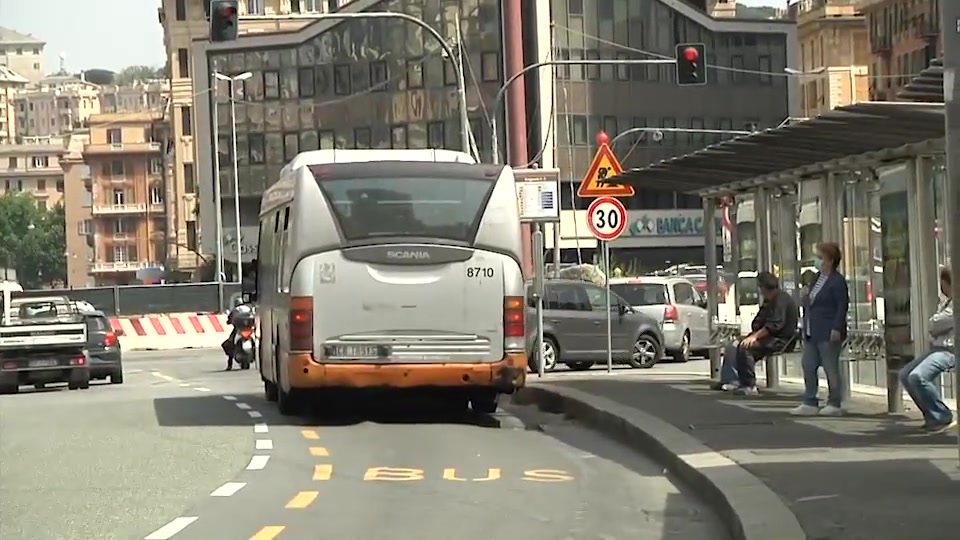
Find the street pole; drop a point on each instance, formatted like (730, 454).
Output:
(950, 32)
(448, 51)
(236, 176)
(498, 100)
(217, 196)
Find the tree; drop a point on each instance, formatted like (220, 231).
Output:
(32, 240)
(99, 76)
(134, 74)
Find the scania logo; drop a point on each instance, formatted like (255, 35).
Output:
(408, 255)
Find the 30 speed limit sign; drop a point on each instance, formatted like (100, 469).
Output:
(607, 218)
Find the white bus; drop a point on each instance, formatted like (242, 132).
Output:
(391, 269)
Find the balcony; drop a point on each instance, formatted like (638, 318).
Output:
(120, 238)
(121, 148)
(118, 209)
(925, 29)
(121, 266)
(881, 44)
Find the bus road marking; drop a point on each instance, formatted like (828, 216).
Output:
(302, 500)
(167, 531)
(268, 533)
(309, 434)
(319, 451)
(257, 463)
(322, 472)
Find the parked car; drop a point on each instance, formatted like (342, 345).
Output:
(679, 309)
(103, 345)
(575, 328)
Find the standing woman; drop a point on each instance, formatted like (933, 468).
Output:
(825, 306)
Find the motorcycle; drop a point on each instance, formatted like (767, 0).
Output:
(245, 347)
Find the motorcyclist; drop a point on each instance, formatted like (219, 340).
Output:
(241, 316)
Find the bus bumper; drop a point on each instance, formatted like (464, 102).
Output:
(505, 376)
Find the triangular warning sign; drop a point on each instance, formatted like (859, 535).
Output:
(605, 165)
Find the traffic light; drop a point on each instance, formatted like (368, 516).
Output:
(691, 64)
(224, 19)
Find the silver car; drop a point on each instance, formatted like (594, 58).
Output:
(676, 305)
(575, 328)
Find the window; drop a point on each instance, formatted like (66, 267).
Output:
(415, 73)
(563, 72)
(593, 70)
(697, 138)
(119, 197)
(41, 204)
(192, 236)
(59, 186)
(156, 166)
(85, 227)
(399, 138)
(120, 226)
(183, 64)
(186, 121)
(669, 137)
(610, 126)
(642, 294)
(258, 149)
(436, 135)
(449, 73)
(684, 294)
(766, 68)
(40, 162)
(736, 66)
(341, 80)
(575, 7)
(180, 10)
(490, 66)
(622, 70)
(379, 76)
(113, 168)
(12, 163)
(271, 85)
(396, 205)
(156, 195)
(306, 82)
(578, 128)
(114, 136)
(362, 138)
(189, 184)
(640, 137)
(41, 184)
(120, 254)
(327, 139)
(566, 297)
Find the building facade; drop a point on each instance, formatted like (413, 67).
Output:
(352, 84)
(33, 167)
(56, 105)
(748, 89)
(834, 54)
(904, 37)
(128, 220)
(22, 53)
(77, 206)
(184, 21)
(10, 84)
(149, 96)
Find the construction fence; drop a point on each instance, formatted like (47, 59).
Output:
(129, 300)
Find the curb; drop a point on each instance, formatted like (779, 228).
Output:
(749, 509)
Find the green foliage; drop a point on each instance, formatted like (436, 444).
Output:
(756, 12)
(133, 74)
(32, 241)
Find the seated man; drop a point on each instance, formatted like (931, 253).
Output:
(729, 380)
(919, 376)
(773, 328)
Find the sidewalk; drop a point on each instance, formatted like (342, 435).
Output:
(866, 476)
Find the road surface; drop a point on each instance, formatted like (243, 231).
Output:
(184, 450)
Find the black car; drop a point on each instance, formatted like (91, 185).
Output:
(103, 345)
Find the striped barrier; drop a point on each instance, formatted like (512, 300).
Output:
(171, 331)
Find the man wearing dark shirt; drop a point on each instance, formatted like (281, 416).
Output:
(773, 328)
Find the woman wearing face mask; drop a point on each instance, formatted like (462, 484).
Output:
(919, 375)
(825, 306)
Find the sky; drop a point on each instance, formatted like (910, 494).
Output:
(107, 34)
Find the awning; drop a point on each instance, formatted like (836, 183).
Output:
(847, 131)
(927, 86)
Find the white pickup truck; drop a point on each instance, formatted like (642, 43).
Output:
(42, 341)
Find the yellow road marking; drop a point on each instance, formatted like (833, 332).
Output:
(268, 533)
(322, 472)
(303, 500)
(451, 474)
(318, 451)
(309, 434)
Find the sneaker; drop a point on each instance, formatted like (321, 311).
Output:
(731, 387)
(942, 428)
(830, 410)
(717, 386)
(805, 410)
(747, 391)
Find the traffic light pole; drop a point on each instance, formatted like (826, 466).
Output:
(461, 85)
(950, 32)
(498, 100)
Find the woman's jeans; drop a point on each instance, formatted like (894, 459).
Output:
(826, 355)
(918, 378)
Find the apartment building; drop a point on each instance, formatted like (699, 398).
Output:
(56, 105)
(128, 212)
(77, 206)
(834, 54)
(22, 53)
(10, 84)
(904, 38)
(150, 96)
(185, 21)
(33, 167)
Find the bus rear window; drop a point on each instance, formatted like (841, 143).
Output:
(439, 208)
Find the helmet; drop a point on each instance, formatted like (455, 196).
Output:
(238, 301)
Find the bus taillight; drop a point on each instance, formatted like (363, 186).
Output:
(514, 323)
(301, 323)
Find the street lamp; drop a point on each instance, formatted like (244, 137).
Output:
(236, 172)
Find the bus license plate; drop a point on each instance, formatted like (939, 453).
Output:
(43, 363)
(357, 351)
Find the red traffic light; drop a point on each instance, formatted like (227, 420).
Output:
(691, 54)
(229, 11)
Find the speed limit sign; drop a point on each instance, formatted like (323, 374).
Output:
(607, 218)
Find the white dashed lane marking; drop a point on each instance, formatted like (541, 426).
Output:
(260, 427)
(254, 414)
(167, 531)
(257, 463)
(243, 406)
(264, 444)
(201, 389)
(229, 398)
(228, 489)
